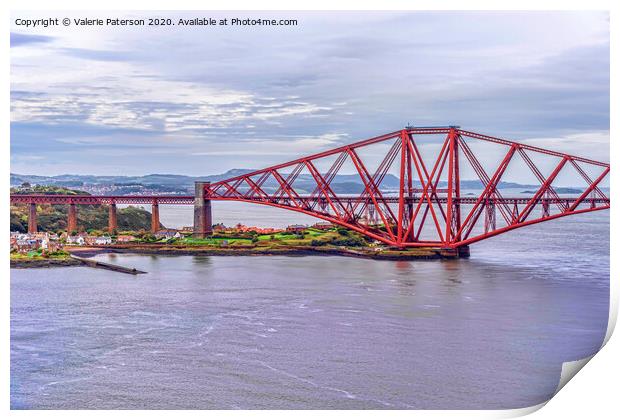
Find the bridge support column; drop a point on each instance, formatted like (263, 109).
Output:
(545, 208)
(453, 253)
(32, 218)
(203, 223)
(463, 251)
(72, 219)
(112, 224)
(154, 216)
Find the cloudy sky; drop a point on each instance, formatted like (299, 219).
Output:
(202, 100)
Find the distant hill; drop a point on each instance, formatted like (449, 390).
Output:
(183, 184)
(559, 190)
(151, 179)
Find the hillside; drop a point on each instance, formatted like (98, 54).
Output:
(53, 218)
(170, 184)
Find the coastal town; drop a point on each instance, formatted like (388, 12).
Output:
(46, 249)
(50, 242)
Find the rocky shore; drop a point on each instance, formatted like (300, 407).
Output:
(44, 263)
(79, 254)
(165, 249)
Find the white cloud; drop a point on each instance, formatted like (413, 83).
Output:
(268, 147)
(592, 145)
(275, 92)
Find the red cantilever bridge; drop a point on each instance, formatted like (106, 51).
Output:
(425, 205)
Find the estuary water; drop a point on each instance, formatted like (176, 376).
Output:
(314, 332)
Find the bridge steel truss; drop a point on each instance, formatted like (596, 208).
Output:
(421, 213)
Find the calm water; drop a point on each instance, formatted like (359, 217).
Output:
(315, 332)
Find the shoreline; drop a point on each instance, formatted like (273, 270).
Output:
(79, 255)
(45, 263)
(166, 249)
(71, 261)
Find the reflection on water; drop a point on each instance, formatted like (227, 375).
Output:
(315, 332)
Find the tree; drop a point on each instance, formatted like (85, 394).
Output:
(343, 231)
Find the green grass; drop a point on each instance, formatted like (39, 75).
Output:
(38, 255)
(281, 239)
(214, 241)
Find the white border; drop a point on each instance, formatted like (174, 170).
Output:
(594, 393)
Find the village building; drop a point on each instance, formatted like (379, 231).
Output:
(24, 242)
(76, 240)
(103, 240)
(89, 239)
(23, 245)
(50, 246)
(239, 228)
(187, 230)
(323, 225)
(125, 238)
(219, 227)
(167, 234)
(296, 228)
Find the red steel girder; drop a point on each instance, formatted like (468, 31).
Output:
(402, 218)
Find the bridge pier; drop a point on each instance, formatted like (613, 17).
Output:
(203, 223)
(452, 253)
(72, 219)
(112, 223)
(463, 251)
(32, 218)
(154, 216)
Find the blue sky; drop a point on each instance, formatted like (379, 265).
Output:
(202, 100)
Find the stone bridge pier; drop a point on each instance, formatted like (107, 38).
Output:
(112, 220)
(32, 218)
(203, 223)
(72, 219)
(154, 216)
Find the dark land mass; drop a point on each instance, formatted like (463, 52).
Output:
(559, 190)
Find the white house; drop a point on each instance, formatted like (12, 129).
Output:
(168, 234)
(75, 240)
(103, 240)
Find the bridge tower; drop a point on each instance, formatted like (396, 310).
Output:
(112, 223)
(154, 216)
(32, 218)
(72, 219)
(203, 223)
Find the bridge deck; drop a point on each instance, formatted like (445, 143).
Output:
(189, 199)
